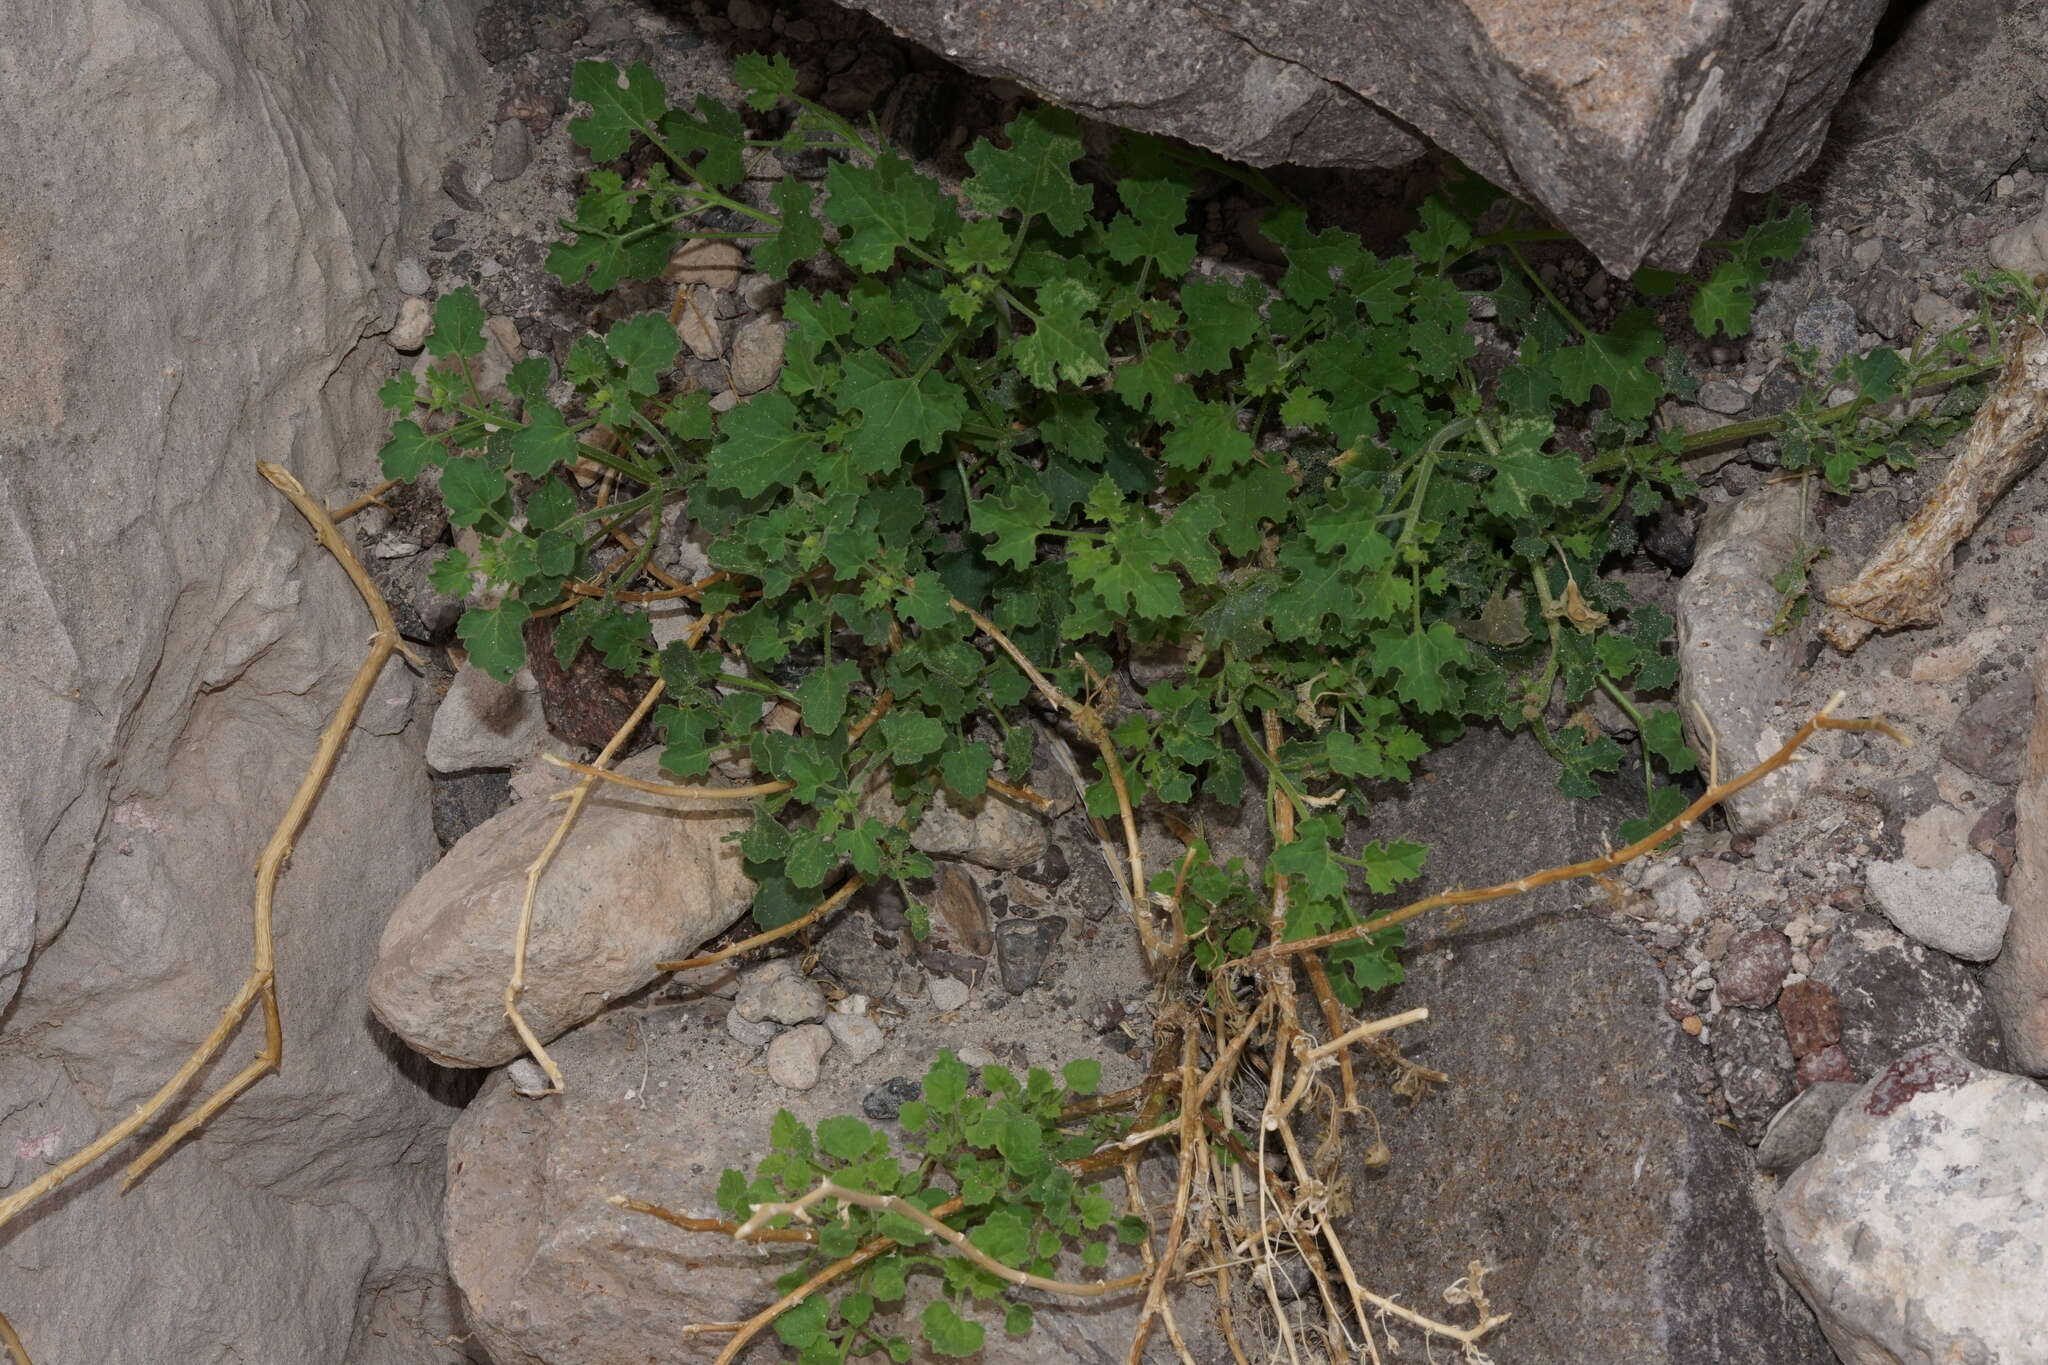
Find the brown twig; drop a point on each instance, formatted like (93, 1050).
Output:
(808, 918)
(1684, 820)
(373, 498)
(17, 1352)
(724, 1225)
(1089, 722)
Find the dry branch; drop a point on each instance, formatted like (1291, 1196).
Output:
(1906, 580)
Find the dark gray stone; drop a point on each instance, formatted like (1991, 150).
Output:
(1631, 132)
(1990, 737)
(886, 1100)
(1897, 995)
(511, 150)
(1797, 1131)
(863, 957)
(1022, 946)
(1570, 1153)
(423, 612)
(465, 800)
(1828, 326)
(455, 183)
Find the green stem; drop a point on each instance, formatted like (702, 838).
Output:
(1555, 302)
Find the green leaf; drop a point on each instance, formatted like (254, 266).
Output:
(764, 79)
(1064, 343)
(1031, 177)
(458, 324)
(825, 694)
(1617, 363)
(1083, 1076)
(912, 735)
(1151, 230)
(409, 451)
(607, 259)
(1523, 476)
(1017, 1319)
(645, 347)
(543, 443)
(399, 393)
(945, 1084)
(1425, 663)
(618, 109)
(761, 446)
(948, 1333)
(1207, 438)
(801, 236)
(495, 637)
(1221, 318)
(1665, 804)
(885, 207)
(1664, 736)
(471, 488)
(1003, 1236)
(966, 767)
(1013, 523)
(803, 1325)
(846, 1138)
(897, 413)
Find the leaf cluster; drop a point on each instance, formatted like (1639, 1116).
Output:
(987, 1153)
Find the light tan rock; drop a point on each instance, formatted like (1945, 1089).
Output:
(1731, 668)
(639, 879)
(714, 263)
(2017, 982)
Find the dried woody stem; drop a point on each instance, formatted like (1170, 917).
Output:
(1824, 719)
(1086, 719)
(260, 984)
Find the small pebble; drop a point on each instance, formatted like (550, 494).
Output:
(973, 1055)
(409, 333)
(858, 1034)
(460, 183)
(411, 276)
(946, 993)
(511, 150)
(444, 229)
(528, 1078)
(793, 1057)
(753, 1033)
(1692, 1024)
(886, 1100)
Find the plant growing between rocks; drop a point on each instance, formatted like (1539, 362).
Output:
(1010, 445)
(1020, 433)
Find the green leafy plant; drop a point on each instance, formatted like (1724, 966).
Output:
(1025, 429)
(990, 1155)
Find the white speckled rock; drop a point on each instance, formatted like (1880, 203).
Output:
(775, 992)
(483, 723)
(1919, 1233)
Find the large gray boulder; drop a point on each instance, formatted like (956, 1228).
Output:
(1631, 127)
(1570, 1153)
(197, 194)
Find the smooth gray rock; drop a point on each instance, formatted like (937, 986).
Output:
(1730, 666)
(775, 992)
(1920, 1231)
(198, 195)
(1990, 736)
(1551, 1023)
(1633, 131)
(1796, 1131)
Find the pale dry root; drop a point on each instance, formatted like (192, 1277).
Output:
(259, 987)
